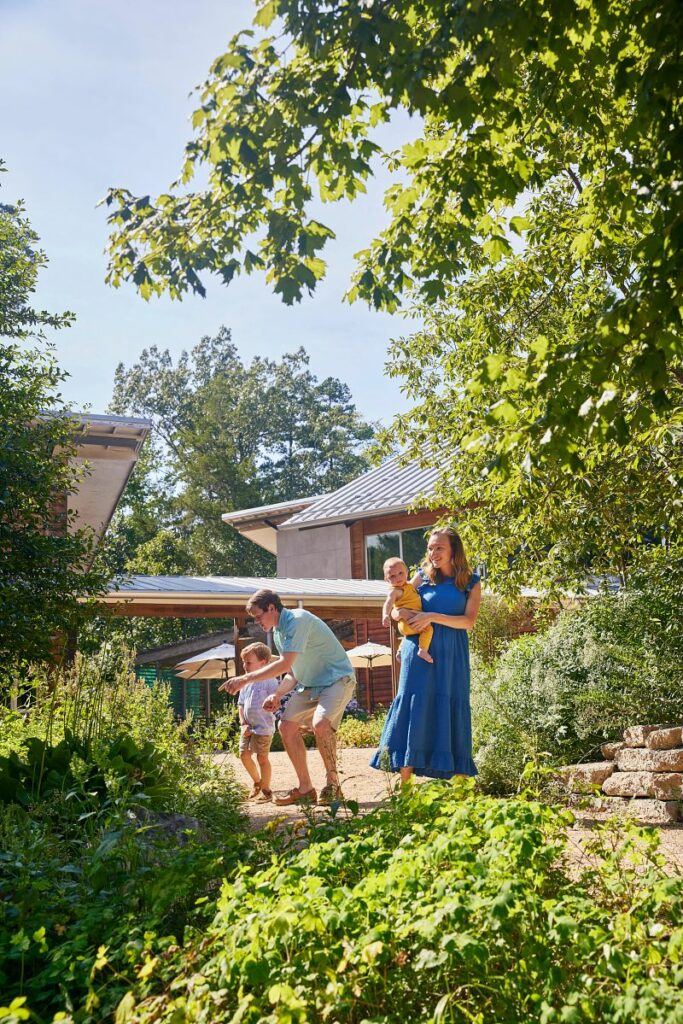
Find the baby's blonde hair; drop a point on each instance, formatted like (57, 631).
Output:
(395, 560)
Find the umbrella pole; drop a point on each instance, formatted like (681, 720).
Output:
(371, 699)
(392, 641)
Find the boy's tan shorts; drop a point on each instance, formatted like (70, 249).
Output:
(309, 706)
(255, 743)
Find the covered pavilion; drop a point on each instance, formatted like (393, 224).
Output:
(203, 597)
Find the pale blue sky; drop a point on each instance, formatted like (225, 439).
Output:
(96, 94)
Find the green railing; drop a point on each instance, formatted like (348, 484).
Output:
(198, 697)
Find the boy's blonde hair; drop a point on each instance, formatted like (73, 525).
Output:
(261, 650)
(394, 560)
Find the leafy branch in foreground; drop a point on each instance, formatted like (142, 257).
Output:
(510, 99)
(495, 376)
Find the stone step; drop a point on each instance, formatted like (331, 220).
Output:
(610, 750)
(665, 739)
(645, 812)
(643, 760)
(660, 785)
(636, 735)
(580, 778)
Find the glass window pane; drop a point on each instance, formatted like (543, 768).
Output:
(414, 547)
(379, 547)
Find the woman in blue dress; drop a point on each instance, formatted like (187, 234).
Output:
(428, 727)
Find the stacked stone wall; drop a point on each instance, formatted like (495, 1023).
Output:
(641, 776)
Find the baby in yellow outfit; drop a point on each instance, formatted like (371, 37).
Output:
(404, 595)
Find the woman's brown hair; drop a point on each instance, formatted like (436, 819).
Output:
(461, 570)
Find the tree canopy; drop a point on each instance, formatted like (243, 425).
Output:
(512, 100)
(45, 562)
(228, 436)
(548, 523)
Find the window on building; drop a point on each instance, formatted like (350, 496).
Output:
(379, 547)
(410, 545)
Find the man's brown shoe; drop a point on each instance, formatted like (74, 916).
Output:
(295, 796)
(330, 794)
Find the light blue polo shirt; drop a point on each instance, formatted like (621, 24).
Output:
(321, 658)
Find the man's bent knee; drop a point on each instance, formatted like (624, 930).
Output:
(323, 727)
(288, 728)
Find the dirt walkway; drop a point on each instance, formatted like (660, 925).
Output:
(368, 787)
(359, 781)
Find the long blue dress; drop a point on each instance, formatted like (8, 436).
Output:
(428, 726)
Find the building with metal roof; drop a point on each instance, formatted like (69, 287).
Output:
(347, 533)
(392, 487)
(106, 449)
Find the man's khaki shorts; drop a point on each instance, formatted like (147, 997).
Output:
(309, 706)
(255, 743)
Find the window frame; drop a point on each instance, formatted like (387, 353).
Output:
(379, 533)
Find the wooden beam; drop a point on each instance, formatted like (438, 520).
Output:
(190, 610)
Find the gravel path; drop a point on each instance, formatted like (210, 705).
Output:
(368, 787)
(359, 781)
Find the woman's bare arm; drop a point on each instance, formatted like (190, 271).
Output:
(421, 620)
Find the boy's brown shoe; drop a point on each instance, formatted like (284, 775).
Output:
(295, 796)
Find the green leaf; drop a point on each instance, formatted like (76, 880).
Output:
(266, 13)
(496, 248)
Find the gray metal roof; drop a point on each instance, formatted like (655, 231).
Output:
(392, 487)
(169, 587)
(263, 512)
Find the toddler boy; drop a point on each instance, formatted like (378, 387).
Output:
(404, 595)
(257, 725)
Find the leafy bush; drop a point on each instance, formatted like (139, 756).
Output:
(500, 621)
(361, 731)
(616, 661)
(443, 907)
(113, 823)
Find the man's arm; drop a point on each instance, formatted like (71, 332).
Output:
(272, 701)
(280, 667)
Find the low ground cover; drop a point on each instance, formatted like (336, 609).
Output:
(112, 826)
(441, 906)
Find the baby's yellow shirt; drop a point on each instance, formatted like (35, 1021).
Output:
(409, 598)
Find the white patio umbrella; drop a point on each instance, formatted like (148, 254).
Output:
(212, 672)
(370, 656)
(211, 664)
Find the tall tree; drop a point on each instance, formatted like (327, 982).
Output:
(551, 522)
(44, 566)
(236, 436)
(510, 99)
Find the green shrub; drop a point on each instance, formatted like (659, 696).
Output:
(500, 621)
(361, 732)
(113, 824)
(616, 661)
(444, 907)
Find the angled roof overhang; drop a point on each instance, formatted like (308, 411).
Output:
(261, 524)
(393, 487)
(107, 448)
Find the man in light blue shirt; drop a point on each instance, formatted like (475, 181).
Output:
(315, 665)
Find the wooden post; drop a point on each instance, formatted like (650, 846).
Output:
(235, 638)
(207, 699)
(183, 699)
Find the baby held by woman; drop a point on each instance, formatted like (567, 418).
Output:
(403, 594)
